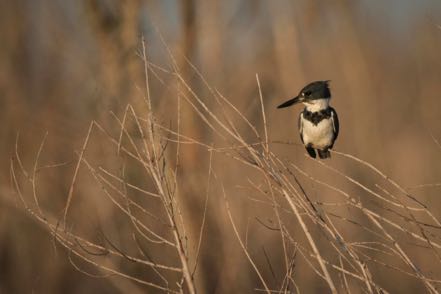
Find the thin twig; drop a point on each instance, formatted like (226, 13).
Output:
(74, 178)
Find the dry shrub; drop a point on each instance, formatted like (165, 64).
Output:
(361, 239)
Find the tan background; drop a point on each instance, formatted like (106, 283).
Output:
(63, 63)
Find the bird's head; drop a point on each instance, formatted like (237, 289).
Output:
(315, 96)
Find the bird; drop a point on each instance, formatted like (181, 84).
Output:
(318, 122)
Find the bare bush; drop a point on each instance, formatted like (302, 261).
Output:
(363, 235)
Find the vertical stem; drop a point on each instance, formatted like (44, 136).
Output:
(312, 243)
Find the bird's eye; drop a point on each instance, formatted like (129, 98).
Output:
(307, 93)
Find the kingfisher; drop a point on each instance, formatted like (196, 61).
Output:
(318, 122)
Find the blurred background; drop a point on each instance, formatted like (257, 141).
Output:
(64, 63)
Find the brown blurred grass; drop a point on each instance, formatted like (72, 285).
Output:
(57, 73)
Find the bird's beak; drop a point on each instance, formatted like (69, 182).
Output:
(293, 101)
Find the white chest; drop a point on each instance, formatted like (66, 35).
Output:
(320, 136)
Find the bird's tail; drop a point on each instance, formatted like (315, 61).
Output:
(324, 153)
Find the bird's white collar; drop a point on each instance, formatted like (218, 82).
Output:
(317, 104)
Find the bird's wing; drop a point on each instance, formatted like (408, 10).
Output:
(301, 126)
(335, 123)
